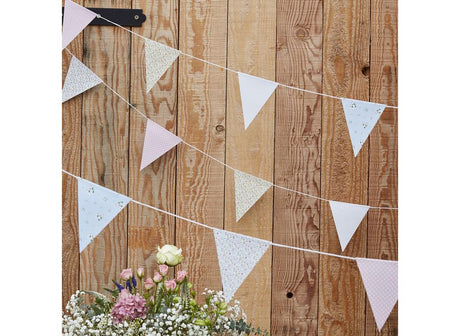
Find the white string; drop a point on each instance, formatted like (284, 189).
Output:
(235, 233)
(225, 164)
(228, 69)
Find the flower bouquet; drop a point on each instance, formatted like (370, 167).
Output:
(155, 306)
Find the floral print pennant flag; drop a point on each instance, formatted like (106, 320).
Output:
(79, 79)
(158, 59)
(97, 206)
(248, 190)
(361, 118)
(237, 255)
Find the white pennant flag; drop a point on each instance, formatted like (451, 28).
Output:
(380, 278)
(254, 92)
(158, 59)
(79, 79)
(97, 206)
(361, 118)
(237, 257)
(347, 217)
(248, 190)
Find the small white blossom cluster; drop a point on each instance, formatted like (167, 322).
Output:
(174, 321)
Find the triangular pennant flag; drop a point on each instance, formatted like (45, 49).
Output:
(361, 118)
(158, 59)
(380, 278)
(237, 255)
(347, 217)
(248, 190)
(79, 79)
(157, 141)
(97, 206)
(76, 18)
(254, 92)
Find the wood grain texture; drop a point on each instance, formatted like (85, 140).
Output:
(71, 151)
(340, 47)
(297, 166)
(346, 30)
(156, 183)
(382, 228)
(201, 122)
(105, 125)
(252, 49)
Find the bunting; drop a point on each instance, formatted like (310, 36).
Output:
(97, 206)
(237, 256)
(79, 79)
(347, 217)
(76, 18)
(157, 142)
(254, 92)
(361, 118)
(158, 59)
(380, 278)
(248, 190)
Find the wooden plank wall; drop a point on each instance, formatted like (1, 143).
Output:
(299, 140)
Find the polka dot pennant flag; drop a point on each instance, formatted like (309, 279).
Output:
(97, 206)
(380, 278)
(237, 257)
(157, 141)
(361, 118)
(79, 79)
(76, 18)
(158, 59)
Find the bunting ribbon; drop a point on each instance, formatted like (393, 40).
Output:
(76, 18)
(97, 206)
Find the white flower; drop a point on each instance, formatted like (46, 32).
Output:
(169, 255)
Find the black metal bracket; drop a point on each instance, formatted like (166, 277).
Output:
(122, 16)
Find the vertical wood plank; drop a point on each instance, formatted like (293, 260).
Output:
(297, 166)
(156, 183)
(71, 146)
(252, 49)
(201, 122)
(343, 177)
(382, 225)
(105, 125)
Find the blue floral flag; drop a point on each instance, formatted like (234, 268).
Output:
(97, 206)
(361, 118)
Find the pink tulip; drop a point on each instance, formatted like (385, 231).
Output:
(181, 276)
(149, 283)
(163, 269)
(170, 284)
(157, 277)
(140, 272)
(126, 274)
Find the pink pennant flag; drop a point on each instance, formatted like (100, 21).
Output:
(76, 18)
(157, 142)
(380, 278)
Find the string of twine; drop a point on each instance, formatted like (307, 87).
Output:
(230, 232)
(223, 163)
(225, 68)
